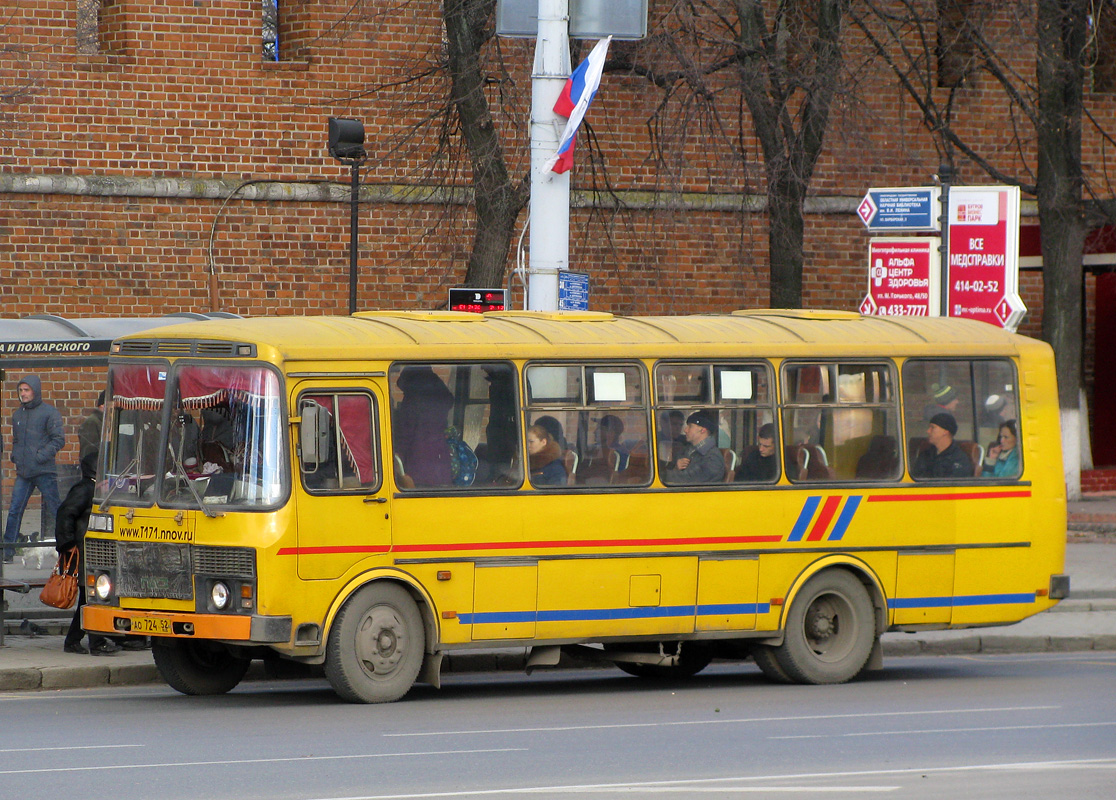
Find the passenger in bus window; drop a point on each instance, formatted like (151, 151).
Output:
(760, 464)
(545, 458)
(1002, 460)
(553, 427)
(942, 458)
(943, 400)
(702, 462)
(419, 427)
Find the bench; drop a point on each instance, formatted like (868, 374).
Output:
(23, 587)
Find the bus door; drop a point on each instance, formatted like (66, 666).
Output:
(342, 499)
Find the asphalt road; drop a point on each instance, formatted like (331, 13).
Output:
(926, 727)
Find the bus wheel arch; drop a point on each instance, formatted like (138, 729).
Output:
(831, 627)
(376, 643)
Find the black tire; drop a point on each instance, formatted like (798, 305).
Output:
(768, 662)
(197, 668)
(830, 630)
(694, 659)
(376, 645)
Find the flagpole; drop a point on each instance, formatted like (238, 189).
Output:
(550, 192)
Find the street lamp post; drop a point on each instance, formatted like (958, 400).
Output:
(346, 144)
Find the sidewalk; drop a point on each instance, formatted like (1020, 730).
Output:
(1086, 621)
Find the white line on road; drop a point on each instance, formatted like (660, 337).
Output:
(237, 761)
(917, 731)
(739, 721)
(705, 785)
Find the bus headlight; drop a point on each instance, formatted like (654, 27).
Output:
(103, 586)
(220, 595)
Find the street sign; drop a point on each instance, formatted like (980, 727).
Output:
(901, 209)
(477, 300)
(903, 277)
(573, 291)
(983, 274)
(589, 19)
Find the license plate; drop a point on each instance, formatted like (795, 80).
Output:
(157, 627)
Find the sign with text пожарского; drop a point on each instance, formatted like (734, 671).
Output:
(903, 277)
(915, 209)
(983, 247)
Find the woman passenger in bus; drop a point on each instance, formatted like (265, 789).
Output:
(545, 458)
(419, 427)
(1002, 460)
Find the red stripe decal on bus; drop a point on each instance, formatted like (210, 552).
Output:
(432, 548)
(825, 516)
(318, 551)
(902, 498)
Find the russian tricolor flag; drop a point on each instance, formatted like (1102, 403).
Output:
(578, 93)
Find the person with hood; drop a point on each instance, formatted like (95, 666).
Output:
(545, 456)
(37, 436)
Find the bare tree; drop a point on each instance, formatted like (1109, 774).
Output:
(1048, 110)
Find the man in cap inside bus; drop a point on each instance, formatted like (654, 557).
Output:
(943, 458)
(702, 461)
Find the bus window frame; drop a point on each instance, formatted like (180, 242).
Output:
(374, 430)
(103, 490)
(529, 410)
(283, 456)
(895, 406)
(974, 412)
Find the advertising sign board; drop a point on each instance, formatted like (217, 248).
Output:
(903, 277)
(901, 209)
(983, 272)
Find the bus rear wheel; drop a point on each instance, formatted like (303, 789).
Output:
(830, 630)
(376, 645)
(767, 660)
(197, 668)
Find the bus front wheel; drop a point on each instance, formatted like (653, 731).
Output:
(375, 646)
(830, 630)
(197, 668)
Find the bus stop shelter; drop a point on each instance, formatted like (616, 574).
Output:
(70, 356)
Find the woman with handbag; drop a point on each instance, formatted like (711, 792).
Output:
(69, 535)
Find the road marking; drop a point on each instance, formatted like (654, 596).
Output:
(76, 747)
(1042, 726)
(737, 721)
(236, 761)
(706, 785)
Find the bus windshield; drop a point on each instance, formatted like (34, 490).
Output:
(201, 437)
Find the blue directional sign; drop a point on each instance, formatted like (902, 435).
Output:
(573, 291)
(901, 209)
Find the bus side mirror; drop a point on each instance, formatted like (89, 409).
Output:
(313, 436)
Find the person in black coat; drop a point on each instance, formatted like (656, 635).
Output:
(69, 533)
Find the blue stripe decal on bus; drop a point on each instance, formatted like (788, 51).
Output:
(808, 509)
(586, 614)
(852, 503)
(961, 600)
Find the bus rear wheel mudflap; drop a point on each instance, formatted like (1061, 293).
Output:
(197, 667)
(830, 630)
(376, 645)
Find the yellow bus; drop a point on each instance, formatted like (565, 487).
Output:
(371, 492)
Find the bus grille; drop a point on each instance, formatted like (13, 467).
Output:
(99, 553)
(235, 562)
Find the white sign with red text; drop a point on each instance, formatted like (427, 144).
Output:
(983, 272)
(903, 277)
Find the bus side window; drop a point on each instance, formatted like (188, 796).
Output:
(454, 425)
(339, 453)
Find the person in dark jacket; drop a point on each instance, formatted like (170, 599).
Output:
(69, 534)
(545, 457)
(419, 427)
(943, 458)
(37, 436)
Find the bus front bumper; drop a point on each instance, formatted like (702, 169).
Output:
(250, 629)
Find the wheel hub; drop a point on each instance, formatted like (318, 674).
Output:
(381, 640)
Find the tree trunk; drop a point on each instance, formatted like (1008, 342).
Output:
(496, 200)
(784, 239)
(1062, 219)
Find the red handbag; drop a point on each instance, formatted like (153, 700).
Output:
(61, 587)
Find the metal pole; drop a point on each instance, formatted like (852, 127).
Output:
(945, 177)
(354, 200)
(550, 192)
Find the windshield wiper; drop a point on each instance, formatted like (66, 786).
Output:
(118, 482)
(180, 473)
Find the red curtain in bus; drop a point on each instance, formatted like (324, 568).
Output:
(355, 418)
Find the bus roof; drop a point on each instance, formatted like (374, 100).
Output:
(391, 335)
